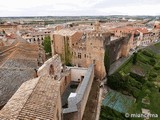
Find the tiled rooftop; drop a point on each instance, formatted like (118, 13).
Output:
(35, 99)
(10, 80)
(65, 32)
(17, 64)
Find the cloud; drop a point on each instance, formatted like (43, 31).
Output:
(78, 7)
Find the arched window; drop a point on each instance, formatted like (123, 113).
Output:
(38, 41)
(51, 70)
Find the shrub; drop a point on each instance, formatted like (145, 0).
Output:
(137, 77)
(142, 59)
(116, 82)
(147, 91)
(47, 45)
(135, 92)
(147, 53)
(157, 67)
(153, 75)
(152, 61)
(149, 84)
(134, 61)
(134, 83)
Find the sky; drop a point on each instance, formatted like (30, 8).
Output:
(78, 7)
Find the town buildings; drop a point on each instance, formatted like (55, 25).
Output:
(84, 47)
(53, 90)
(43, 97)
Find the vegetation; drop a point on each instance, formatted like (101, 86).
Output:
(67, 55)
(135, 58)
(106, 60)
(110, 114)
(140, 78)
(47, 45)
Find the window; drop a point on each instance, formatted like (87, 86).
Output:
(65, 81)
(51, 70)
(94, 61)
(79, 55)
(67, 38)
(82, 77)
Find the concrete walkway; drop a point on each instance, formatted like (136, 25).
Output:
(117, 64)
(101, 91)
(99, 103)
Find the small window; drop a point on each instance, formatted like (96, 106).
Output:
(94, 61)
(65, 81)
(79, 55)
(51, 70)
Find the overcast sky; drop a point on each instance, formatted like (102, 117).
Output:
(78, 7)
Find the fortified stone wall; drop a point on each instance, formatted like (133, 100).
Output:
(119, 48)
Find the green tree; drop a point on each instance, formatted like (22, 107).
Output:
(134, 61)
(47, 45)
(68, 54)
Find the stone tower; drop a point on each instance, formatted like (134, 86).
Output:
(97, 26)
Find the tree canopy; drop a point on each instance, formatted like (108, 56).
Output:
(47, 45)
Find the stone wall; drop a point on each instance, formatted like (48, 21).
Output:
(119, 48)
(53, 66)
(58, 42)
(95, 52)
(77, 73)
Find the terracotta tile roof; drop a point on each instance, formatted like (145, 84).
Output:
(17, 64)
(35, 99)
(142, 30)
(65, 32)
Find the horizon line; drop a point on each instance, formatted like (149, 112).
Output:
(75, 15)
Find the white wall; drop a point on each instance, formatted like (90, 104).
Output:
(76, 73)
